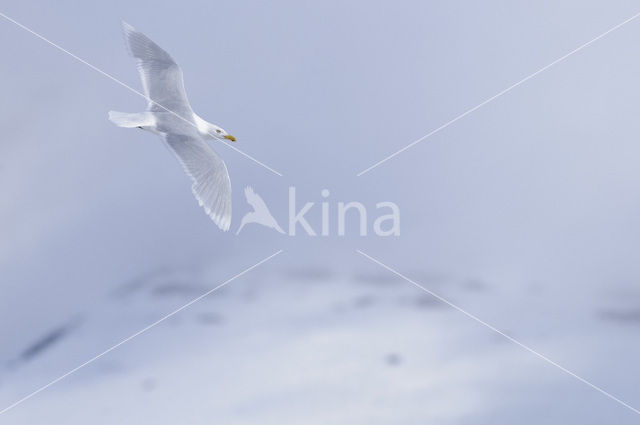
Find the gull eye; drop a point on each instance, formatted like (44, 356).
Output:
(218, 131)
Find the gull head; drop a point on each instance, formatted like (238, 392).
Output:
(211, 131)
(220, 133)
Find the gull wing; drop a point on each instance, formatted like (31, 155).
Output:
(211, 183)
(161, 76)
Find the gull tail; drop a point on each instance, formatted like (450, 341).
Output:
(132, 120)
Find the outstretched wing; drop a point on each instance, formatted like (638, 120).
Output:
(211, 183)
(255, 200)
(161, 76)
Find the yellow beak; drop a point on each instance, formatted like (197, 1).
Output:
(229, 137)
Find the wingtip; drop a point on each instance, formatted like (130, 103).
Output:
(127, 27)
(223, 223)
(127, 30)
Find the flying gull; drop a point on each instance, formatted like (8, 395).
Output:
(170, 116)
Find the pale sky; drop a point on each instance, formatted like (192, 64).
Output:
(539, 186)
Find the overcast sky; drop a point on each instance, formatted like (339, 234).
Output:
(541, 185)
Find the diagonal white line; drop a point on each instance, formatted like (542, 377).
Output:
(140, 332)
(114, 79)
(487, 325)
(492, 98)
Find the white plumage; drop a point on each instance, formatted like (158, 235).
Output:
(170, 116)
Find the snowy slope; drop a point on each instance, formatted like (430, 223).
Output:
(315, 346)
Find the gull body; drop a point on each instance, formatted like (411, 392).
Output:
(169, 115)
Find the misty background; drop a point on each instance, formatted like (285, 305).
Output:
(534, 198)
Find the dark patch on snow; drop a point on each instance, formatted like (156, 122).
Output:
(162, 281)
(363, 301)
(310, 273)
(47, 341)
(138, 283)
(148, 384)
(625, 316)
(428, 302)
(209, 318)
(377, 278)
(475, 285)
(389, 278)
(393, 359)
(176, 288)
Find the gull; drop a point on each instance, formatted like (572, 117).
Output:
(260, 213)
(170, 116)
